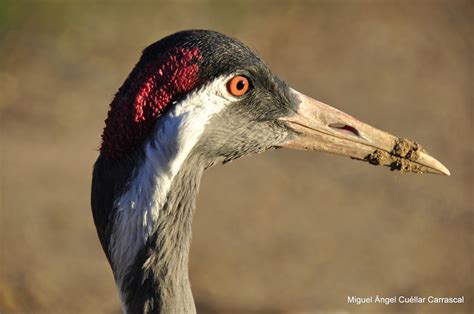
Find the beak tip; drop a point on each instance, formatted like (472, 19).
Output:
(434, 164)
(445, 171)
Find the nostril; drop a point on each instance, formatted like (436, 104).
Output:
(345, 128)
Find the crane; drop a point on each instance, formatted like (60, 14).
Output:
(195, 99)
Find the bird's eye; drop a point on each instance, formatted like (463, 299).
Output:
(238, 85)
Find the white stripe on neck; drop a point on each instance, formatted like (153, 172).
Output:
(175, 135)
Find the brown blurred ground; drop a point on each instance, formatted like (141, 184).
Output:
(281, 232)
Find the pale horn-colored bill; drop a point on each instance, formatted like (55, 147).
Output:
(324, 128)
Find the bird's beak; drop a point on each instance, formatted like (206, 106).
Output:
(318, 126)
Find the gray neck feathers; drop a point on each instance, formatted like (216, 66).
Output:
(151, 234)
(158, 280)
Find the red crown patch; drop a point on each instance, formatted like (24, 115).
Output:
(150, 89)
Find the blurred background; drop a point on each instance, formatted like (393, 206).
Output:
(283, 232)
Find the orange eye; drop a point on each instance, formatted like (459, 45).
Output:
(238, 85)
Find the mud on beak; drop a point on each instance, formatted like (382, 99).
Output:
(320, 127)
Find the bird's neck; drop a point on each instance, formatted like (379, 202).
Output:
(157, 281)
(151, 214)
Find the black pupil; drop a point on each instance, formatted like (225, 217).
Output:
(241, 85)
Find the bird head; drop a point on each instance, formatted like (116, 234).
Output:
(203, 92)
